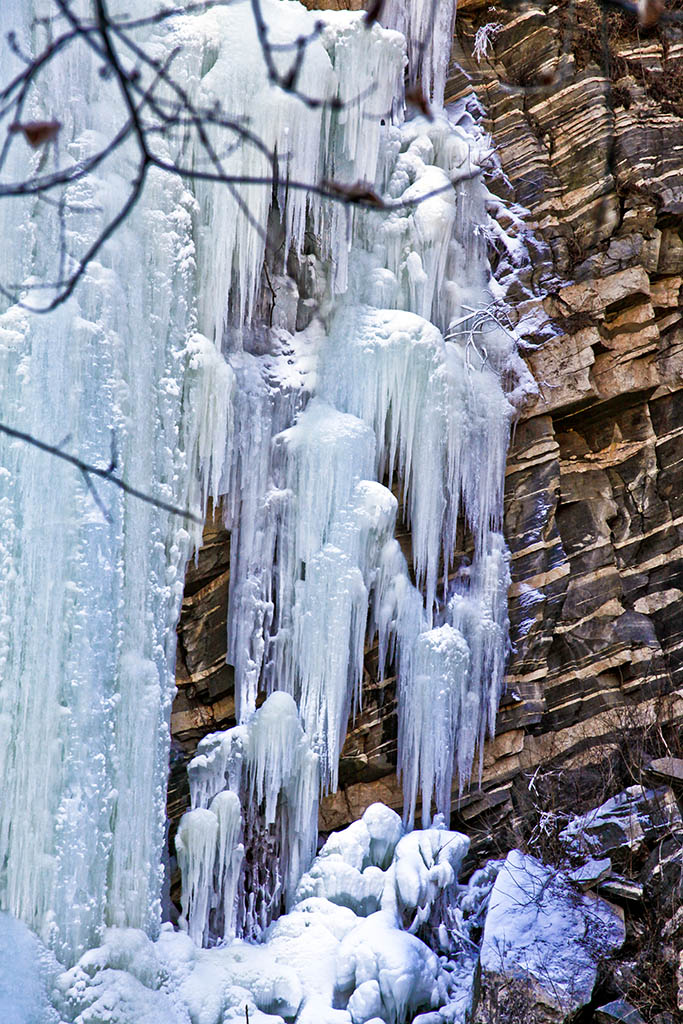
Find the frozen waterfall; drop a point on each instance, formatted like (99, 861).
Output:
(89, 596)
(321, 367)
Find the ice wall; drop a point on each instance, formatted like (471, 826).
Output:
(89, 595)
(122, 373)
(374, 367)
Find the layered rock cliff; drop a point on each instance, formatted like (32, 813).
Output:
(590, 143)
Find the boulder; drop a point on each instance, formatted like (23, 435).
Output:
(618, 1012)
(624, 824)
(667, 770)
(621, 890)
(591, 872)
(663, 870)
(544, 935)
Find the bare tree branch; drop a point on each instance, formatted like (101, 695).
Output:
(89, 471)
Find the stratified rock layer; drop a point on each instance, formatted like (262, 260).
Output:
(594, 503)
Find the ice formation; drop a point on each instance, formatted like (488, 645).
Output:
(407, 392)
(26, 972)
(335, 947)
(302, 382)
(263, 774)
(380, 929)
(428, 28)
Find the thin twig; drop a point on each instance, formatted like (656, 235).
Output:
(88, 471)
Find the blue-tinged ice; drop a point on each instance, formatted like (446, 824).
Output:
(378, 384)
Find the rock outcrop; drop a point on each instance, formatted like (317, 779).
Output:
(590, 145)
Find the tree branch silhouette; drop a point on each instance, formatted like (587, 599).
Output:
(89, 471)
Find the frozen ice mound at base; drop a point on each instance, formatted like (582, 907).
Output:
(388, 972)
(25, 976)
(322, 961)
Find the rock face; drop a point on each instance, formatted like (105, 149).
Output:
(592, 150)
(594, 473)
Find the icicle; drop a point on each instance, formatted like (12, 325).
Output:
(436, 713)
(284, 778)
(226, 806)
(481, 613)
(274, 737)
(90, 593)
(217, 764)
(332, 528)
(320, 460)
(383, 367)
(428, 27)
(196, 844)
(251, 511)
(221, 60)
(369, 79)
(329, 632)
(210, 391)
(258, 777)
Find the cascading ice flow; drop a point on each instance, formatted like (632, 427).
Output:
(320, 386)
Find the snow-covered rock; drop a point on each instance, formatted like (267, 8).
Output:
(624, 822)
(542, 932)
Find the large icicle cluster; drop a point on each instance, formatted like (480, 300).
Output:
(441, 420)
(220, 58)
(264, 772)
(396, 401)
(407, 390)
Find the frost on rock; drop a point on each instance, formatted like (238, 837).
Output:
(625, 821)
(540, 930)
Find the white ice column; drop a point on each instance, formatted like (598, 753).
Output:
(90, 588)
(265, 774)
(428, 26)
